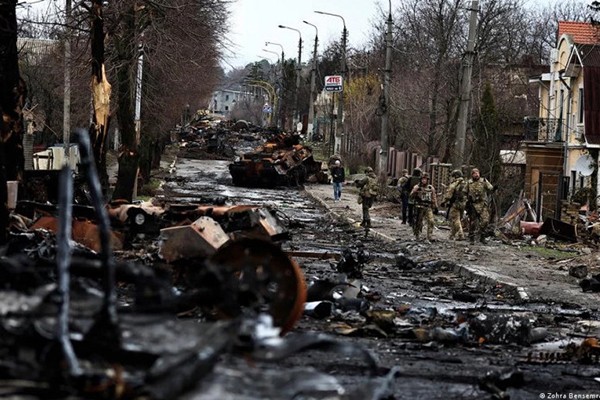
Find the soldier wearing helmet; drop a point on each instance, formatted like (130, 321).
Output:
(414, 179)
(477, 190)
(425, 202)
(455, 200)
(369, 189)
(338, 177)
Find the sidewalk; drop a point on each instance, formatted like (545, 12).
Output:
(528, 274)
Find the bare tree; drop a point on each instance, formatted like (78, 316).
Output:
(429, 47)
(182, 42)
(180, 39)
(362, 93)
(12, 99)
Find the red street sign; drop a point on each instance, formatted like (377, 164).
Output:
(334, 83)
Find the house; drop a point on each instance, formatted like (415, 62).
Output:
(561, 160)
(33, 51)
(223, 101)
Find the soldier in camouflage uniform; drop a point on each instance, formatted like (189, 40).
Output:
(410, 183)
(425, 203)
(404, 191)
(476, 191)
(456, 200)
(367, 195)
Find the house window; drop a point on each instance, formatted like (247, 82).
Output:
(580, 119)
(226, 108)
(226, 97)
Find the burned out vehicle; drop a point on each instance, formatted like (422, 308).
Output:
(282, 161)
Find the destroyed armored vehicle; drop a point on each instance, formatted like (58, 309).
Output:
(282, 161)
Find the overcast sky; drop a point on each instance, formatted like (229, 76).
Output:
(255, 22)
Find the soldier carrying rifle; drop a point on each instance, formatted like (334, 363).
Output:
(477, 190)
(455, 199)
(423, 195)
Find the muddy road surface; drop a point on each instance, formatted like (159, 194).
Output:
(433, 333)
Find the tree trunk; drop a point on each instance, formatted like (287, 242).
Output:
(101, 91)
(12, 96)
(128, 153)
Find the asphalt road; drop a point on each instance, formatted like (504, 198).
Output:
(459, 322)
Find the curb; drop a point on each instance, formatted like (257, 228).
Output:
(352, 221)
(471, 272)
(491, 279)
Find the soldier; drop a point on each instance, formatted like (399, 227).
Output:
(338, 177)
(425, 203)
(369, 189)
(404, 193)
(476, 190)
(456, 200)
(409, 185)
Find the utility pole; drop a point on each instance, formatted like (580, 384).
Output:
(313, 77)
(340, 111)
(383, 159)
(465, 90)
(67, 83)
(277, 123)
(339, 122)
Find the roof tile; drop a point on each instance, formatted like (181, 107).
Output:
(581, 32)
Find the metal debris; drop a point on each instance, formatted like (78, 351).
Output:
(282, 161)
(202, 238)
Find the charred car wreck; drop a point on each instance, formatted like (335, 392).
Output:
(79, 323)
(282, 161)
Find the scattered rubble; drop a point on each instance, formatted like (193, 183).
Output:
(208, 292)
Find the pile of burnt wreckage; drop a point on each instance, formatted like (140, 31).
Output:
(576, 224)
(88, 311)
(279, 160)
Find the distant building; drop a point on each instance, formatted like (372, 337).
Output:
(224, 100)
(32, 51)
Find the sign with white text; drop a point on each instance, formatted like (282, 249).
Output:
(334, 83)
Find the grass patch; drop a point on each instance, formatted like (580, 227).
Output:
(548, 252)
(149, 188)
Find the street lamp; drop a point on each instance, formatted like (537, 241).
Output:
(282, 54)
(276, 106)
(281, 85)
(272, 93)
(272, 52)
(299, 69)
(313, 76)
(339, 122)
